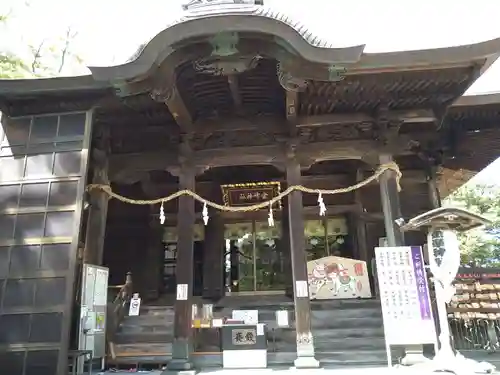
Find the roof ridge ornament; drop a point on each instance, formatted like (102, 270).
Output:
(223, 5)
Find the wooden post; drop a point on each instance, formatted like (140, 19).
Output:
(392, 211)
(152, 269)
(214, 262)
(182, 344)
(435, 202)
(434, 196)
(359, 222)
(285, 235)
(305, 344)
(98, 209)
(390, 204)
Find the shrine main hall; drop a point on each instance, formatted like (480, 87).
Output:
(231, 105)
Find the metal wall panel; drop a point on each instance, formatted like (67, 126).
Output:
(43, 167)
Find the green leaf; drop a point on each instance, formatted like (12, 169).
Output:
(480, 247)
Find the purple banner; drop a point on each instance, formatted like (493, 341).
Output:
(421, 283)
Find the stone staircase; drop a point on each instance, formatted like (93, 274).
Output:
(346, 333)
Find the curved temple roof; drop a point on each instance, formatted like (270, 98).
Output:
(205, 17)
(209, 18)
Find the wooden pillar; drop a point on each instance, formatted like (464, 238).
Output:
(154, 253)
(434, 202)
(392, 211)
(285, 235)
(182, 344)
(213, 262)
(98, 208)
(305, 344)
(359, 223)
(434, 196)
(390, 204)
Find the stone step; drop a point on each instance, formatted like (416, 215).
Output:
(143, 349)
(144, 338)
(270, 315)
(145, 328)
(280, 301)
(367, 312)
(156, 311)
(148, 320)
(349, 343)
(361, 357)
(346, 322)
(329, 359)
(349, 332)
(326, 322)
(288, 334)
(332, 344)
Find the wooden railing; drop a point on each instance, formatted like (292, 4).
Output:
(116, 310)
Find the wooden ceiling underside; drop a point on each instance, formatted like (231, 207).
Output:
(258, 92)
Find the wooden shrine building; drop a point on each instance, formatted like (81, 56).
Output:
(235, 102)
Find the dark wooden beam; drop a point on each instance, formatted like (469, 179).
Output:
(333, 119)
(410, 177)
(179, 111)
(270, 123)
(232, 124)
(254, 155)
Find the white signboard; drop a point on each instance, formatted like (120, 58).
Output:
(135, 306)
(282, 318)
(404, 295)
(246, 316)
(182, 292)
(260, 329)
(302, 288)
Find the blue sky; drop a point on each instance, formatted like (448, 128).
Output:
(109, 31)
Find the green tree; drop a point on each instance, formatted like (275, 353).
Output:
(11, 65)
(45, 58)
(480, 247)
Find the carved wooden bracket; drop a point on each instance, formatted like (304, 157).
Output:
(169, 94)
(186, 158)
(386, 130)
(162, 95)
(288, 82)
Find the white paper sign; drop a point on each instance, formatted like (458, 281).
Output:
(247, 316)
(302, 288)
(404, 295)
(260, 329)
(182, 292)
(84, 311)
(282, 318)
(135, 306)
(216, 323)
